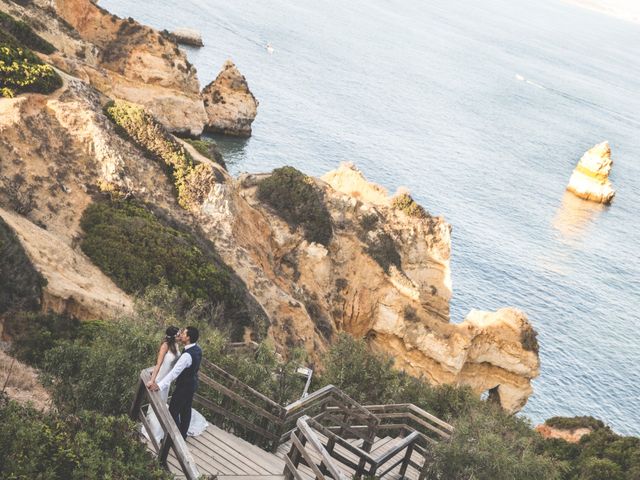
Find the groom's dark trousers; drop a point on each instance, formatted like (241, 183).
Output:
(186, 386)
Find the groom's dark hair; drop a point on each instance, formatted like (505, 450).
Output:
(193, 334)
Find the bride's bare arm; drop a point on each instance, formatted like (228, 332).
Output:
(161, 353)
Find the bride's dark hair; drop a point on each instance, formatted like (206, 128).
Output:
(170, 338)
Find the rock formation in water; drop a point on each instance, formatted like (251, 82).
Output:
(383, 272)
(187, 36)
(590, 178)
(230, 105)
(120, 57)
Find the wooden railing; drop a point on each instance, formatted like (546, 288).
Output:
(172, 437)
(322, 426)
(253, 416)
(325, 460)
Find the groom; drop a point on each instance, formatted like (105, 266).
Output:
(185, 373)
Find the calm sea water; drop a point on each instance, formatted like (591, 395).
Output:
(482, 109)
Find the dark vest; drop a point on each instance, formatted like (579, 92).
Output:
(188, 379)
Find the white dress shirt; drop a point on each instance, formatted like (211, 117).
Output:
(183, 362)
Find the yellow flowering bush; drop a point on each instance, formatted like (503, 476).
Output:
(22, 71)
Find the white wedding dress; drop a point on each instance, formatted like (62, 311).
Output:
(198, 423)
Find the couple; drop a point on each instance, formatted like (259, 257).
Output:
(183, 368)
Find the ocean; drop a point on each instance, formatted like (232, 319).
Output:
(481, 109)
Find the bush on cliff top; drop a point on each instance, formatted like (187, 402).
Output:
(146, 132)
(297, 200)
(21, 71)
(209, 149)
(408, 205)
(600, 455)
(20, 283)
(24, 34)
(87, 446)
(137, 249)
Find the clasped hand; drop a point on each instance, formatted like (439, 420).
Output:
(153, 386)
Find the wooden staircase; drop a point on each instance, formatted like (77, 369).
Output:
(324, 435)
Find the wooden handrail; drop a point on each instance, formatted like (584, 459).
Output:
(315, 442)
(172, 437)
(328, 411)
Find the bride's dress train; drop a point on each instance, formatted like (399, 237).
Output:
(198, 423)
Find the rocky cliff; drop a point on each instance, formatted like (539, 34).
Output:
(381, 271)
(120, 57)
(590, 178)
(230, 105)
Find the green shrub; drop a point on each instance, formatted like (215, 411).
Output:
(297, 200)
(529, 339)
(369, 378)
(20, 283)
(602, 454)
(488, 444)
(408, 205)
(571, 423)
(24, 34)
(139, 126)
(88, 446)
(35, 333)
(137, 249)
(100, 373)
(22, 71)
(209, 149)
(383, 250)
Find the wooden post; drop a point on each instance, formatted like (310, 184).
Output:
(137, 400)
(405, 462)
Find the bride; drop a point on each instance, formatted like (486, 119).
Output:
(167, 357)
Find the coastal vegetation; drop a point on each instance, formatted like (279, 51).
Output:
(409, 206)
(87, 446)
(135, 124)
(138, 248)
(299, 202)
(24, 34)
(209, 149)
(22, 71)
(383, 250)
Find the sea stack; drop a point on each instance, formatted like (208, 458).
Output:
(187, 36)
(590, 178)
(230, 105)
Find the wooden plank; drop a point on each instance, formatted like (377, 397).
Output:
(268, 460)
(234, 455)
(212, 462)
(239, 399)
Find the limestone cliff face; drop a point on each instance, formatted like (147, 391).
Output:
(64, 150)
(121, 58)
(590, 178)
(230, 105)
(311, 291)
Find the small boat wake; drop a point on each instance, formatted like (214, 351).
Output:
(573, 98)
